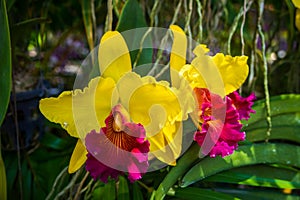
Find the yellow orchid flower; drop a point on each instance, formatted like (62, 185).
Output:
(222, 74)
(297, 18)
(213, 80)
(155, 105)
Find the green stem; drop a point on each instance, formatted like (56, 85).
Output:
(265, 67)
(184, 163)
(233, 29)
(109, 17)
(199, 11)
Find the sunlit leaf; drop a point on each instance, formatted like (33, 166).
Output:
(282, 104)
(260, 175)
(192, 193)
(245, 155)
(285, 115)
(250, 194)
(183, 164)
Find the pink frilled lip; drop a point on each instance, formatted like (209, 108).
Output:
(225, 134)
(117, 148)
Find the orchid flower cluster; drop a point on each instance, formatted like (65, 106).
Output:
(125, 122)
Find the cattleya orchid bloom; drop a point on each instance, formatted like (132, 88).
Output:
(213, 79)
(99, 109)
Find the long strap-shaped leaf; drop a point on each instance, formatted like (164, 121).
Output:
(246, 155)
(3, 192)
(87, 8)
(183, 164)
(275, 176)
(5, 83)
(282, 104)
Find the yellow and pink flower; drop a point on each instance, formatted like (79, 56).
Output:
(214, 80)
(150, 106)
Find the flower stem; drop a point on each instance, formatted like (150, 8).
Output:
(265, 67)
(184, 163)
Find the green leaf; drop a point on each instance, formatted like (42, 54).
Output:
(9, 4)
(123, 191)
(52, 141)
(284, 127)
(192, 193)
(260, 175)
(280, 120)
(3, 192)
(183, 164)
(109, 192)
(132, 18)
(26, 181)
(30, 22)
(5, 57)
(285, 113)
(250, 194)
(11, 165)
(288, 133)
(245, 155)
(87, 13)
(282, 104)
(97, 192)
(5, 84)
(136, 192)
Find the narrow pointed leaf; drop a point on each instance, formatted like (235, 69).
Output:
(123, 191)
(260, 175)
(5, 57)
(245, 155)
(87, 14)
(183, 165)
(192, 193)
(250, 194)
(5, 84)
(131, 18)
(136, 192)
(282, 104)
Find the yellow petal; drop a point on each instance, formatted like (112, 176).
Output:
(296, 3)
(220, 74)
(92, 105)
(167, 144)
(200, 50)
(203, 72)
(234, 70)
(78, 157)
(179, 46)
(59, 110)
(149, 94)
(79, 112)
(113, 56)
(178, 54)
(156, 106)
(184, 93)
(297, 19)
